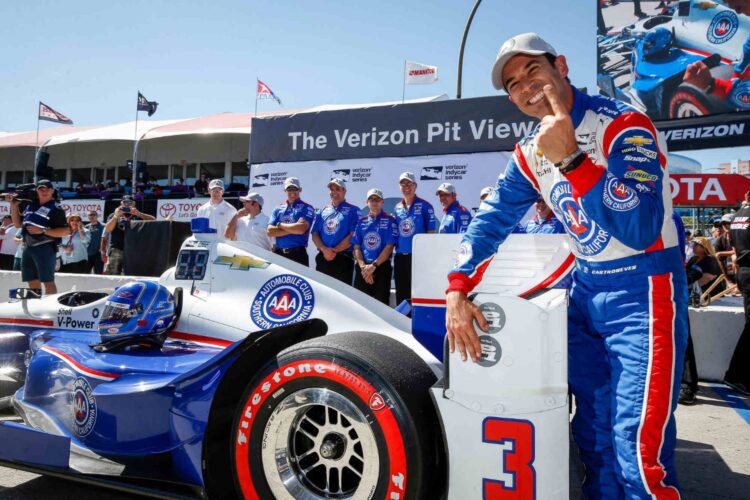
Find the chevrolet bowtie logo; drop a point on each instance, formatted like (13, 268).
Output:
(242, 262)
(638, 140)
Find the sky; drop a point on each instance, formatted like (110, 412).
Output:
(88, 59)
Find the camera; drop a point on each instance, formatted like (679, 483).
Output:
(125, 210)
(25, 194)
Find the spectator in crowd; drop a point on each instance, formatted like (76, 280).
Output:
(179, 182)
(201, 185)
(250, 223)
(117, 225)
(20, 247)
(95, 228)
(42, 225)
(374, 238)
(290, 224)
(8, 244)
(544, 220)
(723, 247)
(485, 192)
(703, 267)
(414, 216)
(116, 187)
(688, 245)
(738, 374)
(74, 250)
(457, 217)
(216, 210)
(332, 232)
(717, 230)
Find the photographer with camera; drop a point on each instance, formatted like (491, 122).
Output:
(117, 224)
(42, 223)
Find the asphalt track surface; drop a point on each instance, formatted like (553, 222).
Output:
(713, 456)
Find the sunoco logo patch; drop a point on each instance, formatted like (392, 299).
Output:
(282, 300)
(588, 238)
(723, 27)
(84, 407)
(618, 196)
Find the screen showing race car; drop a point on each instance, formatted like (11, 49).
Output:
(191, 264)
(675, 59)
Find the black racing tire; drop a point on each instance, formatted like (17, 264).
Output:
(337, 416)
(688, 102)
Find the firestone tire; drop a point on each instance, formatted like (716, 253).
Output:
(344, 416)
(688, 102)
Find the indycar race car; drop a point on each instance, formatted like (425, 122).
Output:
(644, 63)
(271, 380)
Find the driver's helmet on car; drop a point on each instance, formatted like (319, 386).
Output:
(142, 311)
(656, 44)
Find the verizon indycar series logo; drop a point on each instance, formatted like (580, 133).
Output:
(282, 300)
(588, 238)
(723, 27)
(84, 407)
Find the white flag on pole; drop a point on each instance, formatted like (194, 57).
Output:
(415, 73)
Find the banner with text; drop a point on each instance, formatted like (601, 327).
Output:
(179, 210)
(80, 207)
(436, 128)
(469, 173)
(708, 189)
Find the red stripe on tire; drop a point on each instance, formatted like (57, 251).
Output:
(336, 373)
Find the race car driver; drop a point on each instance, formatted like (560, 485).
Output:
(628, 305)
(736, 90)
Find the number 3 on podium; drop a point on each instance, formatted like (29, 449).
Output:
(517, 439)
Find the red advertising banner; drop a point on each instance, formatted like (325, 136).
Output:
(708, 189)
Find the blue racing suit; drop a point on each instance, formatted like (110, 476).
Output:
(550, 225)
(628, 306)
(455, 220)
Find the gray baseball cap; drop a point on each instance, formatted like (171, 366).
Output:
(337, 181)
(530, 44)
(375, 192)
(292, 182)
(408, 176)
(253, 197)
(446, 187)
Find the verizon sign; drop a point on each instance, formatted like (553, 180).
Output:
(179, 210)
(708, 189)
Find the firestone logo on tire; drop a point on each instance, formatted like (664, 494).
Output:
(282, 300)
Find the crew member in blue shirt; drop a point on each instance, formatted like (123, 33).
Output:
(290, 224)
(544, 221)
(332, 233)
(414, 216)
(374, 238)
(457, 217)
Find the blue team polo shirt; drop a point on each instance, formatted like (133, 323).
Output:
(455, 220)
(289, 214)
(550, 225)
(375, 233)
(420, 218)
(333, 224)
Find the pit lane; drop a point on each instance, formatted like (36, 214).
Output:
(713, 446)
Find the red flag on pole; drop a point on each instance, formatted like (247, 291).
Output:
(264, 92)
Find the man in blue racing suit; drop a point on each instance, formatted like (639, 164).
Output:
(599, 165)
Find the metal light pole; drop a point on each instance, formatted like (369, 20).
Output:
(461, 50)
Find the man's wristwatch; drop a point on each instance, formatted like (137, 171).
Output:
(44, 230)
(374, 264)
(571, 162)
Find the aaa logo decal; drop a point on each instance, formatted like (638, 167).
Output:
(723, 27)
(331, 226)
(618, 196)
(282, 300)
(84, 407)
(588, 238)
